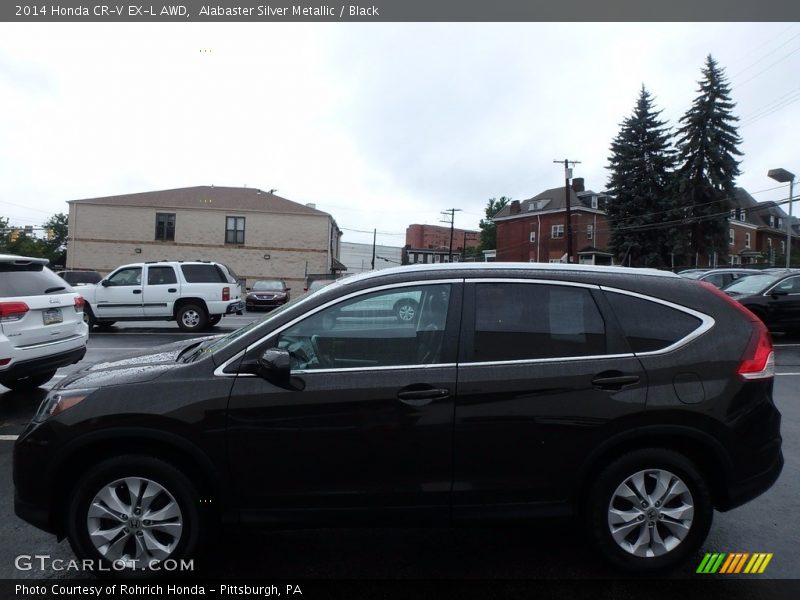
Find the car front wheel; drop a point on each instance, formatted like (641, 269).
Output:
(132, 513)
(649, 510)
(405, 310)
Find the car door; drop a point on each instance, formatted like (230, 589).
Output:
(783, 303)
(542, 373)
(365, 431)
(161, 291)
(120, 294)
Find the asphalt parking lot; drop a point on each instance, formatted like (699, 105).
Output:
(554, 550)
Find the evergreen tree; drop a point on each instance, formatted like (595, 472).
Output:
(488, 228)
(707, 149)
(641, 165)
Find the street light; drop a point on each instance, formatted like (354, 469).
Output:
(782, 176)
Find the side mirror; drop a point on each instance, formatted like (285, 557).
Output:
(105, 283)
(776, 293)
(275, 366)
(288, 289)
(247, 289)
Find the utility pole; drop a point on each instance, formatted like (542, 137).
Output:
(374, 236)
(568, 224)
(452, 212)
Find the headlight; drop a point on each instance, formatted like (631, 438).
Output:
(58, 401)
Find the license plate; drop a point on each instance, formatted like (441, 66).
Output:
(52, 315)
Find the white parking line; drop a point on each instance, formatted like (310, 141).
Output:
(786, 345)
(787, 374)
(8, 438)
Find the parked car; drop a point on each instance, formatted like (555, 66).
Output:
(635, 399)
(267, 294)
(41, 323)
(772, 297)
(196, 294)
(78, 278)
(720, 278)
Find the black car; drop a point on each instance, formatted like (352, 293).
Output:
(634, 399)
(266, 295)
(774, 297)
(78, 278)
(721, 278)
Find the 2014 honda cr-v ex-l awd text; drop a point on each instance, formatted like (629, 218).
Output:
(635, 400)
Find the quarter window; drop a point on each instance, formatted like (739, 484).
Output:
(396, 327)
(234, 230)
(524, 321)
(648, 325)
(165, 226)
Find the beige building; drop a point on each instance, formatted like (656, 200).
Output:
(258, 234)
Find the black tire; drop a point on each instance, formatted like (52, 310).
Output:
(104, 324)
(88, 316)
(602, 493)
(214, 319)
(405, 310)
(192, 317)
(31, 382)
(179, 489)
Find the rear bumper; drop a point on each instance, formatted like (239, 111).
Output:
(234, 307)
(44, 364)
(744, 490)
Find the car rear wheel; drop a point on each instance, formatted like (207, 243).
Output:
(132, 512)
(88, 317)
(405, 310)
(192, 317)
(30, 382)
(649, 510)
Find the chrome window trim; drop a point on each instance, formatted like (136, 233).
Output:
(592, 286)
(769, 291)
(706, 321)
(533, 361)
(381, 368)
(219, 370)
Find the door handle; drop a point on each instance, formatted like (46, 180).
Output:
(608, 381)
(172, 290)
(422, 397)
(137, 291)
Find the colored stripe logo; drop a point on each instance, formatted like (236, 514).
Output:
(734, 563)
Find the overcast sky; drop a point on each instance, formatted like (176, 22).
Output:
(381, 125)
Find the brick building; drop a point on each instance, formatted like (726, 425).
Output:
(533, 230)
(756, 231)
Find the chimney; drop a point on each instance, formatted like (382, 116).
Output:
(515, 209)
(577, 185)
(311, 205)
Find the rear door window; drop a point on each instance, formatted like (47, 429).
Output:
(649, 325)
(527, 321)
(161, 276)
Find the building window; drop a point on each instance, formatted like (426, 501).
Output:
(594, 201)
(234, 230)
(733, 213)
(783, 247)
(553, 261)
(746, 240)
(735, 260)
(780, 223)
(533, 237)
(557, 231)
(165, 227)
(771, 221)
(731, 238)
(742, 215)
(769, 244)
(590, 232)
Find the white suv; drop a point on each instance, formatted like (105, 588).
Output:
(196, 294)
(41, 323)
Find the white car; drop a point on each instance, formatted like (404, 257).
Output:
(41, 323)
(196, 294)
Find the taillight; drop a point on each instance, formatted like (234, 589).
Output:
(758, 361)
(226, 293)
(79, 303)
(12, 311)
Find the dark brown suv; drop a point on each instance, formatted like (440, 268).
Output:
(637, 400)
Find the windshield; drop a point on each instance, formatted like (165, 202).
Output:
(268, 285)
(751, 285)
